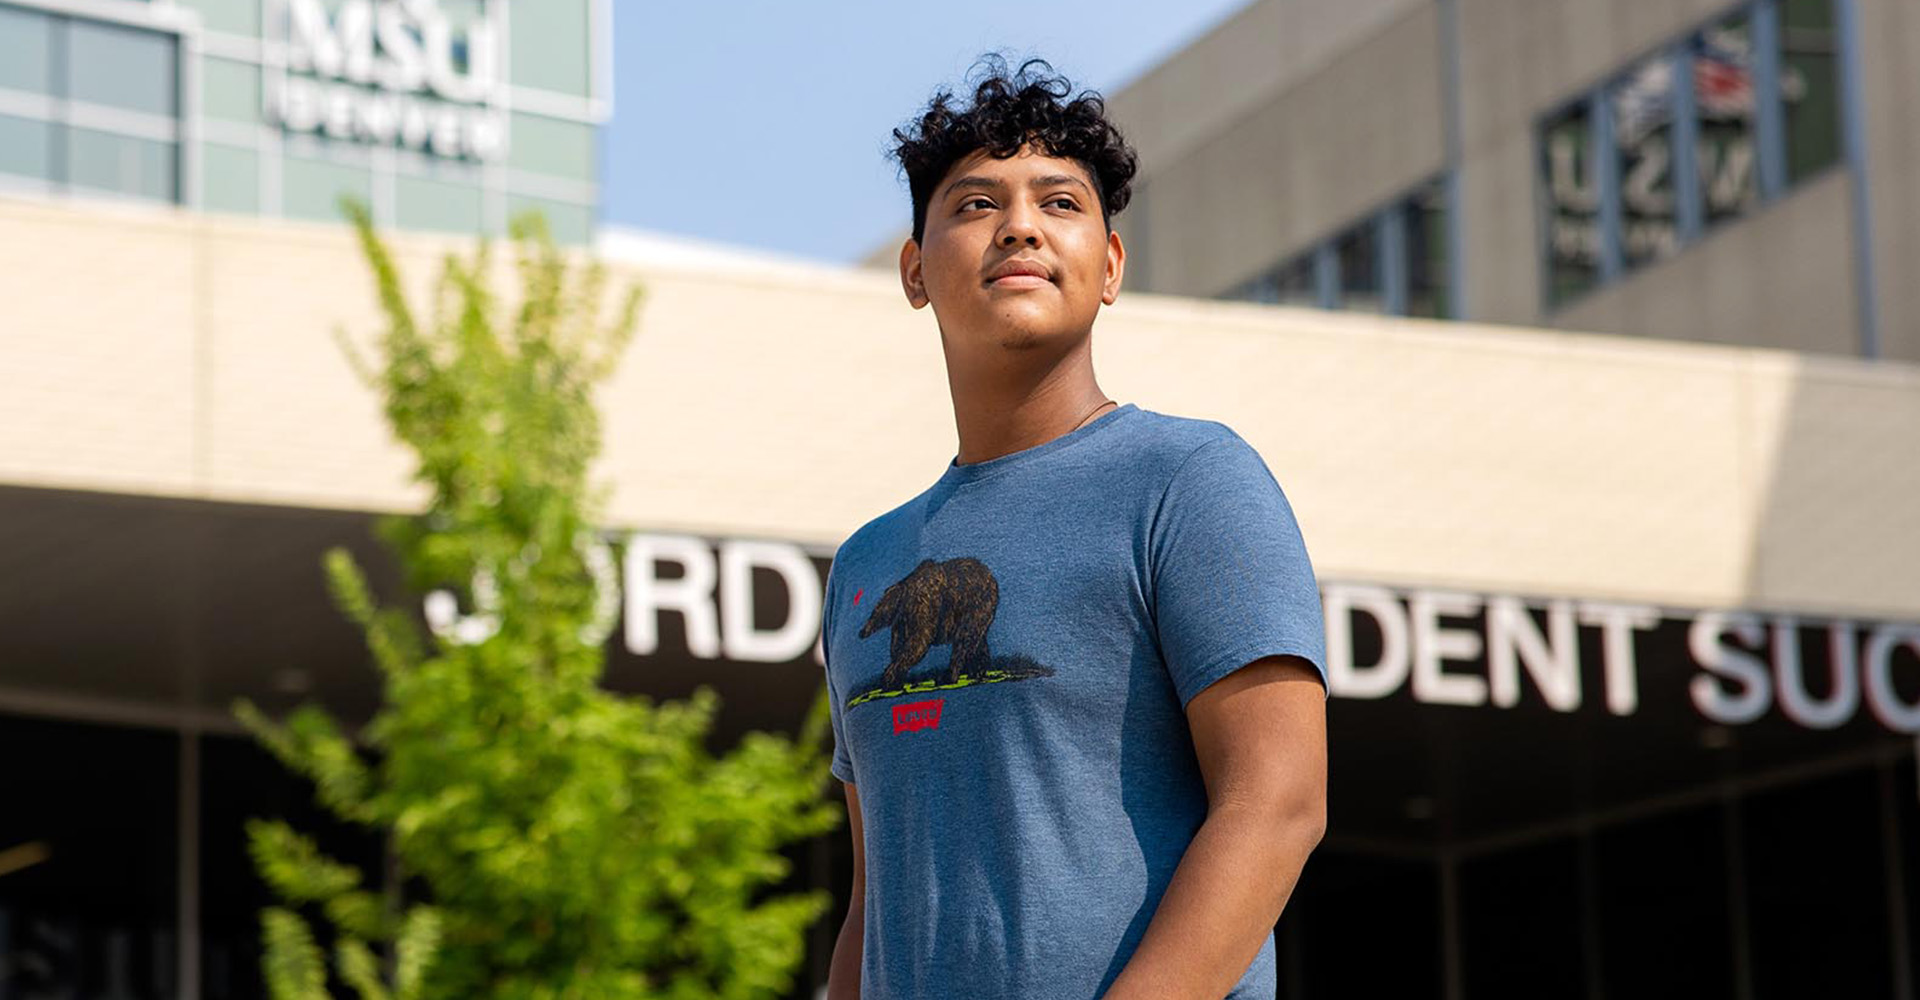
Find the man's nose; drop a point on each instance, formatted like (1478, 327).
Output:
(1019, 226)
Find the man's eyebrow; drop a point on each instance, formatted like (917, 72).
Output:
(988, 183)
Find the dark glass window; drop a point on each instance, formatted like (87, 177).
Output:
(1360, 271)
(1347, 909)
(1661, 891)
(1719, 72)
(1572, 205)
(1725, 104)
(1643, 141)
(1358, 251)
(1906, 815)
(1427, 268)
(1816, 889)
(1809, 86)
(89, 895)
(1289, 284)
(1520, 925)
(240, 781)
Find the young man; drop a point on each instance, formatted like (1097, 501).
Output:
(1077, 683)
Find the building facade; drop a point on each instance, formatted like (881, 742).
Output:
(453, 116)
(1624, 631)
(1624, 635)
(1710, 170)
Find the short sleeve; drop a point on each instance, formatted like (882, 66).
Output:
(842, 765)
(1231, 580)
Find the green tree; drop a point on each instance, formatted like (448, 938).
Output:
(557, 840)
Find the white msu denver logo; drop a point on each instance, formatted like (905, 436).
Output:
(389, 72)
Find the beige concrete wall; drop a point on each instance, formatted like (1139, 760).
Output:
(1241, 65)
(167, 354)
(1781, 277)
(1231, 202)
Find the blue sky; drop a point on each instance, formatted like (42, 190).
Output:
(766, 124)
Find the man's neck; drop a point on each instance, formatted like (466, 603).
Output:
(996, 417)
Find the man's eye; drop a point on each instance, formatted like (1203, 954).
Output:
(970, 202)
(1069, 202)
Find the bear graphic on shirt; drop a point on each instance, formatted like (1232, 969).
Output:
(950, 603)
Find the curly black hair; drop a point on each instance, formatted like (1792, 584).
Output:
(1010, 110)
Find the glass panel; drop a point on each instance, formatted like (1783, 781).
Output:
(1662, 903)
(1723, 94)
(26, 147)
(1520, 923)
(569, 223)
(311, 189)
(121, 67)
(240, 781)
(1358, 251)
(550, 51)
(1816, 889)
(1809, 86)
(234, 17)
(1643, 137)
(229, 179)
(1572, 211)
(550, 146)
(424, 203)
(1293, 283)
(230, 90)
(1906, 817)
(107, 161)
(26, 46)
(1289, 284)
(88, 907)
(1348, 906)
(1427, 271)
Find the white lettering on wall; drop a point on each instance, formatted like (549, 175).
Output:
(691, 594)
(1513, 641)
(1617, 624)
(1346, 679)
(388, 72)
(1433, 644)
(802, 628)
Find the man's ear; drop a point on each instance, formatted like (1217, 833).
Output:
(1116, 266)
(910, 277)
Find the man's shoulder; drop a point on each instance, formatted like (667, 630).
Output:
(1166, 440)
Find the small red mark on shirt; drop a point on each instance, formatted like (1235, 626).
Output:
(917, 715)
(857, 593)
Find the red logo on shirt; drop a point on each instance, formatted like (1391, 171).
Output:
(917, 715)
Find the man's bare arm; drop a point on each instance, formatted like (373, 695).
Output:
(843, 973)
(1260, 736)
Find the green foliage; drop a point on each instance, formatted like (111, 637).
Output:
(569, 842)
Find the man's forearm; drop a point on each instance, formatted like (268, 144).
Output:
(1221, 904)
(843, 973)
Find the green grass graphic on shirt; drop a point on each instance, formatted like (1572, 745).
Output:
(1011, 668)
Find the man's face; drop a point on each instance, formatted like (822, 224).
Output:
(990, 219)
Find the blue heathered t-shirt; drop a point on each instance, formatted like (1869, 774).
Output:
(1009, 656)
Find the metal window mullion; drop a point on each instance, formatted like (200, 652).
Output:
(1853, 119)
(1455, 235)
(1689, 208)
(1769, 127)
(1326, 276)
(1390, 245)
(1603, 165)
